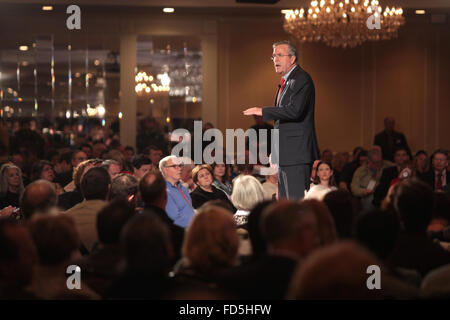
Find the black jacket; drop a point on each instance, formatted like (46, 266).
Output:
(200, 196)
(294, 117)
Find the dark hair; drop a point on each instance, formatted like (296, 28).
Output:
(88, 145)
(340, 204)
(43, 197)
(418, 153)
(317, 179)
(151, 192)
(140, 160)
(56, 238)
(65, 156)
(282, 221)
(129, 148)
(414, 203)
(95, 183)
(111, 219)
(123, 185)
(226, 177)
(441, 151)
(402, 148)
(145, 242)
(378, 230)
(362, 153)
(259, 245)
(151, 147)
(38, 167)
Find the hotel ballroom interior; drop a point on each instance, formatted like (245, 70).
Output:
(98, 201)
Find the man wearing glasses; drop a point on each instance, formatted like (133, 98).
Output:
(293, 112)
(179, 204)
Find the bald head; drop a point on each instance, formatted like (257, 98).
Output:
(39, 195)
(153, 189)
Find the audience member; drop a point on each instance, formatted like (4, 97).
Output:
(438, 177)
(186, 174)
(202, 175)
(179, 203)
(367, 177)
(210, 247)
(325, 223)
(270, 186)
(64, 169)
(113, 167)
(359, 158)
(336, 272)
(11, 185)
(43, 169)
(101, 267)
(95, 187)
(389, 140)
(389, 174)
(124, 186)
(340, 204)
(290, 231)
(141, 165)
(39, 196)
(155, 154)
(152, 188)
(222, 179)
(414, 250)
(57, 242)
(147, 253)
(17, 259)
(378, 232)
(323, 182)
(247, 193)
(421, 164)
(70, 198)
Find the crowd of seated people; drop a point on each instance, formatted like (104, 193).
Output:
(149, 225)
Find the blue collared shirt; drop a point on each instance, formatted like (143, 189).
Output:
(286, 76)
(178, 209)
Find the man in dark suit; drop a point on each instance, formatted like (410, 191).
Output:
(438, 177)
(293, 113)
(389, 140)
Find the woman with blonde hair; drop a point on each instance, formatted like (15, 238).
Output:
(11, 185)
(247, 193)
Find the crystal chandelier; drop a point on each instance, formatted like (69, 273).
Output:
(342, 23)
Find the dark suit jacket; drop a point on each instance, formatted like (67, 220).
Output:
(382, 189)
(381, 139)
(430, 178)
(294, 117)
(200, 196)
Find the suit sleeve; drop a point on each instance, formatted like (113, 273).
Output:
(299, 99)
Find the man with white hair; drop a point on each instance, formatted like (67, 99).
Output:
(179, 204)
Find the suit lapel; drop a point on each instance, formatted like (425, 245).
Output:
(291, 75)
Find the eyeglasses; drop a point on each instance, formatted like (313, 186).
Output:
(176, 166)
(279, 56)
